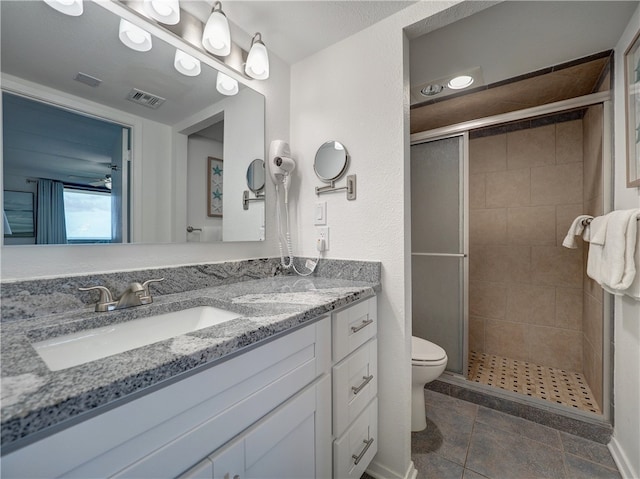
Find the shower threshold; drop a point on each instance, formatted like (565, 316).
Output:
(555, 385)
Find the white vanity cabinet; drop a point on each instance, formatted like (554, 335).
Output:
(291, 442)
(272, 402)
(355, 388)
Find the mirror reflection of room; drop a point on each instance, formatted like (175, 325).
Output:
(73, 167)
(151, 115)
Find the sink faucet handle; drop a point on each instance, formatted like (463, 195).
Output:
(106, 302)
(146, 296)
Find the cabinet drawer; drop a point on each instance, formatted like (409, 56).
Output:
(355, 384)
(353, 326)
(354, 450)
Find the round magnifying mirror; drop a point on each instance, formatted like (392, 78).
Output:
(331, 161)
(255, 176)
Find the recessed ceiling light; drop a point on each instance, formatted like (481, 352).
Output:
(432, 89)
(460, 82)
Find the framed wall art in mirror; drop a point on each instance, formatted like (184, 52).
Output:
(214, 186)
(632, 96)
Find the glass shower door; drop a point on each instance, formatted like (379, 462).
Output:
(439, 245)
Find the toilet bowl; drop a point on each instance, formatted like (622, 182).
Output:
(428, 362)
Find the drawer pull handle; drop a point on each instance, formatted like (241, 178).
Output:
(366, 322)
(366, 380)
(358, 458)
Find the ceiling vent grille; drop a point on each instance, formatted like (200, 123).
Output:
(147, 99)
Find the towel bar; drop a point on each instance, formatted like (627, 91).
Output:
(587, 221)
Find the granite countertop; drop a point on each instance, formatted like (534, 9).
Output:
(37, 401)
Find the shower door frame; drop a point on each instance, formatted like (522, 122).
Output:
(463, 168)
(604, 98)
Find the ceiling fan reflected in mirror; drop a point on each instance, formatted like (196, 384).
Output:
(106, 182)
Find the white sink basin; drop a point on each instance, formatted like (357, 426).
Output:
(78, 348)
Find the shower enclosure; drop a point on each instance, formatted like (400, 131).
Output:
(491, 202)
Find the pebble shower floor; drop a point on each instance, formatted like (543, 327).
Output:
(552, 384)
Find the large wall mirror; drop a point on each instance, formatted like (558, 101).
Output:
(119, 138)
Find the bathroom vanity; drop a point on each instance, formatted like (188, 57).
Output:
(288, 389)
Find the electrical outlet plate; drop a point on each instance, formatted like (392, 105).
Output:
(323, 233)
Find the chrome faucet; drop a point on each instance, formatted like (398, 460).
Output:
(136, 294)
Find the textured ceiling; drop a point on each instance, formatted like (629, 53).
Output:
(294, 30)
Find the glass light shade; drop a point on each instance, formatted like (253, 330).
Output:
(216, 37)
(134, 37)
(73, 8)
(226, 85)
(460, 82)
(163, 11)
(257, 61)
(186, 64)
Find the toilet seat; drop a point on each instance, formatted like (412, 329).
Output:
(425, 353)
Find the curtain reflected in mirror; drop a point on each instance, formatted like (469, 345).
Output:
(50, 220)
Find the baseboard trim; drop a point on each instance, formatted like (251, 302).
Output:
(378, 471)
(621, 460)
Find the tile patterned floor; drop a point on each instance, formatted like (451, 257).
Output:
(552, 384)
(467, 441)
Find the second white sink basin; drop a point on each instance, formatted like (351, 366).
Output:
(82, 347)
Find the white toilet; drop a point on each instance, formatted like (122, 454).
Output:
(428, 362)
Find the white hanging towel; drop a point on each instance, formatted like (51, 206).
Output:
(612, 250)
(576, 229)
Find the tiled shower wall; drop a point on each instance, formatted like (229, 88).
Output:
(592, 323)
(525, 289)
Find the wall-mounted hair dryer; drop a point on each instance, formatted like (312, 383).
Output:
(281, 165)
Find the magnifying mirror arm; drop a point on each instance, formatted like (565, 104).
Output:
(246, 200)
(330, 188)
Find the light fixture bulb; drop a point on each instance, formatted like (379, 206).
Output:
(163, 11)
(186, 64)
(258, 59)
(73, 8)
(460, 82)
(216, 37)
(134, 37)
(226, 85)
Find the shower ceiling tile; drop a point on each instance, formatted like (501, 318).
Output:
(537, 88)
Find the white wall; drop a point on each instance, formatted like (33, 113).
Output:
(356, 92)
(23, 262)
(625, 445)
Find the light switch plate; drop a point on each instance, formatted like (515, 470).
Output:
(320, 213)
